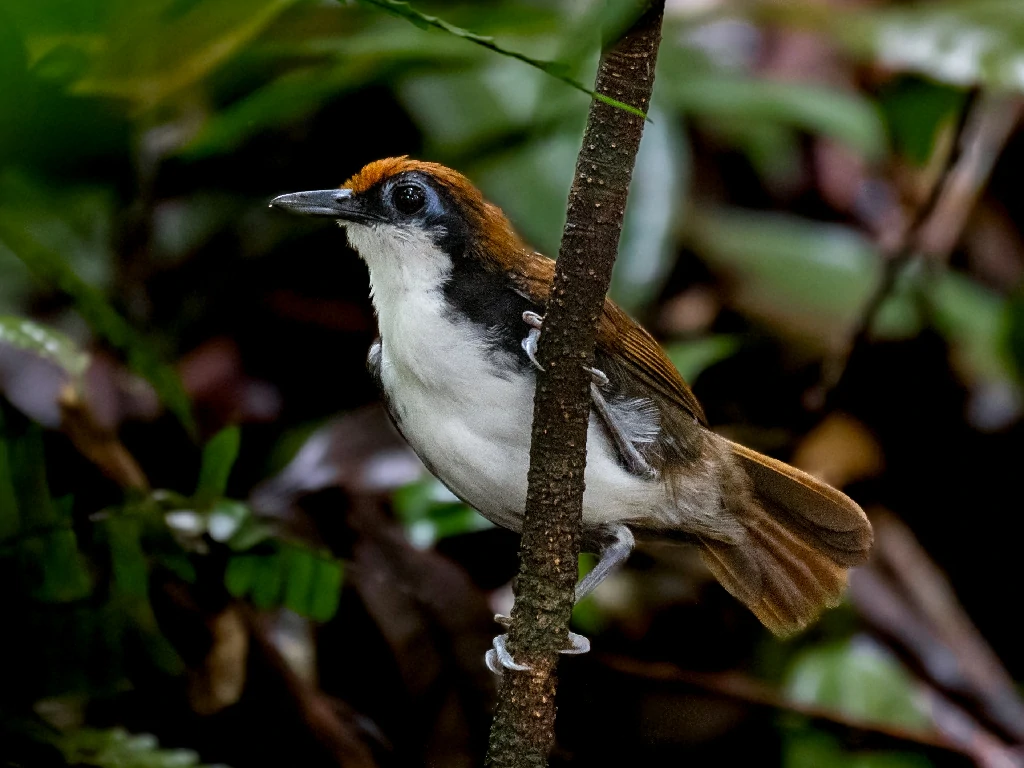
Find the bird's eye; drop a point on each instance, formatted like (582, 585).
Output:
(408, 198)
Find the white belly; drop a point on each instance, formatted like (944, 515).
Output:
(472, 429)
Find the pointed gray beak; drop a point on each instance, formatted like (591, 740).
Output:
(332, 203)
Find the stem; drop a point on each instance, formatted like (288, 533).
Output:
(523, 730)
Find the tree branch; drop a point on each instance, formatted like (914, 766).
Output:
(523, 730)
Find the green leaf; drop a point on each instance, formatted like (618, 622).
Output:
(116, 748)
(44, 342)
(154, 49)
(844, 116)
(104, 320)
(219, 456)
(268, 582)
(10, 518)
(961, 42)
(691, 358)
(556, 70)
(127, 558)
(810, 278)
(240, 574)
(814, 749)
(65, 577)
(326, 589)
(647, 249)
(916, 111)
(858, 679)
(1013, 340)
(301, 567)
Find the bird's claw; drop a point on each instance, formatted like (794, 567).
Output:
(499, 659)
(529, 345)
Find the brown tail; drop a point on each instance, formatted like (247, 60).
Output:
(802, 536)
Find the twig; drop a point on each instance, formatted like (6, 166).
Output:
(934, 230)
(743, 689)
(905, 596)
(522, 733)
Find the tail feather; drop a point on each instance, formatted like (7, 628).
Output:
(801, 538)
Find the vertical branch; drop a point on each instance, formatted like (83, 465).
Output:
(523, 730)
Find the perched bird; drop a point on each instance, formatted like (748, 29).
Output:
(460, 303)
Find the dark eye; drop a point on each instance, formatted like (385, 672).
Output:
(408, 198)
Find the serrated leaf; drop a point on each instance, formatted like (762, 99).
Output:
(219, 456)
(557, 70)
(102, 318)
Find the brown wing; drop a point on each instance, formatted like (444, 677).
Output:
(621, 337)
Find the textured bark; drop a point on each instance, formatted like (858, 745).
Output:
(523, 730)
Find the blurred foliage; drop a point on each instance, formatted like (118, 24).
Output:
(141, 141)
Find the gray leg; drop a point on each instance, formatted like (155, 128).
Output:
(613, 553)
(615, 550)
(634, 460)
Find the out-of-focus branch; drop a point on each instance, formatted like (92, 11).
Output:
(739, 688)
(523, 730)
(933, 230)
(911, 605)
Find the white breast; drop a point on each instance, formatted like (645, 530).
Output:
(468, 420)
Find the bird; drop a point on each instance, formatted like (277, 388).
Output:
(460, 301)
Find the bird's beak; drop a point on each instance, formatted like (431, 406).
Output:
(332, 203)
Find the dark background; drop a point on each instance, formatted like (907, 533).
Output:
(823, 231)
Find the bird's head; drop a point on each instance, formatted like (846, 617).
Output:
(403, 209)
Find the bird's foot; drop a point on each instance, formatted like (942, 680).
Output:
(529, 344)
(499, 659)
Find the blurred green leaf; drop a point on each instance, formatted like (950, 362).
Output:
(127, 558)
(691, 358)
(847, 117)
(116, 748)
(431, 512)
(647, 248)
(1013, 339)
(814, 749)
(543, 166)
(859, 679)
(291, 96)
(962, 42)
(219, 456)
(326, 589)
(48, 343)
(555, 69)
(301, 567)
(916, 111)
(971, 318)
(104, 320)
(154, 49)
(268, 581)
(10, 518)
(811, 278)
(240, 574)
(64, 574)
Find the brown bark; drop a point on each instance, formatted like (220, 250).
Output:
(523, 730)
